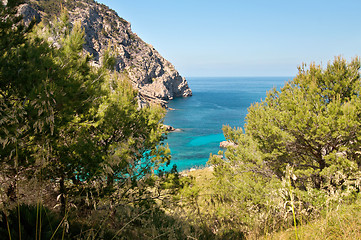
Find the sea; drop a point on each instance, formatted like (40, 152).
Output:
(216, 101)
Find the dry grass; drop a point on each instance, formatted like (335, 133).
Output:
(342, 223)
(203, 177)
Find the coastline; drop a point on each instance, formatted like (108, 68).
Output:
(216, 101)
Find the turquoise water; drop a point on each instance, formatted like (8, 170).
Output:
(216, 101)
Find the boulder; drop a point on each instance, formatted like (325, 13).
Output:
(226, 144)
(171, 129)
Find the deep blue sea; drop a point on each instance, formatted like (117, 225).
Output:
(216, 101)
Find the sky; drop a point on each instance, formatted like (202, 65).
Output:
(245, 37)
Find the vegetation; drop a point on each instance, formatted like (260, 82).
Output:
(79, 159)
(73, 138)
(296, 161)
(341, 223)
(53, 7)
(218, 216)
(298, 153)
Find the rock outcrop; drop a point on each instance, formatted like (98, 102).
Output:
(226, 144)
(155, 78)
(171, 129)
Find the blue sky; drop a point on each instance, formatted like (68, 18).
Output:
(245, 38)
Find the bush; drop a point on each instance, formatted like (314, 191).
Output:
(299, 151)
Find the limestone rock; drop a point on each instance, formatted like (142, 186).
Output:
(226, 144)
(28, 13)
(155, 78)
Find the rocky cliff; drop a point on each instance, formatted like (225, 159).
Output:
(155, 78)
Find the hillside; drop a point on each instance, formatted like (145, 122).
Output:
(155, 78)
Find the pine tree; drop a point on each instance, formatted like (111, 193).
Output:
(18, 81)
(311, 124)
(74, 126)
(304, 139)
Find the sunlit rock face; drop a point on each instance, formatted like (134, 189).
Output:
(155, 78)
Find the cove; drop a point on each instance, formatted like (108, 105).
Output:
(216, 101)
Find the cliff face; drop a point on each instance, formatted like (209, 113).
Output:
(155, 78)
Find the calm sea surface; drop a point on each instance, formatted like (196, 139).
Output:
(216, 101)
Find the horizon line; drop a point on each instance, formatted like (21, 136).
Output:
(198, 76)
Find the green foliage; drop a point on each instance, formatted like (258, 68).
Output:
(22, 114)
(71, 129)
(312, 124)
(74, 139)
(74, 136)
(299, 151)
(198, 203)
(12, 31)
